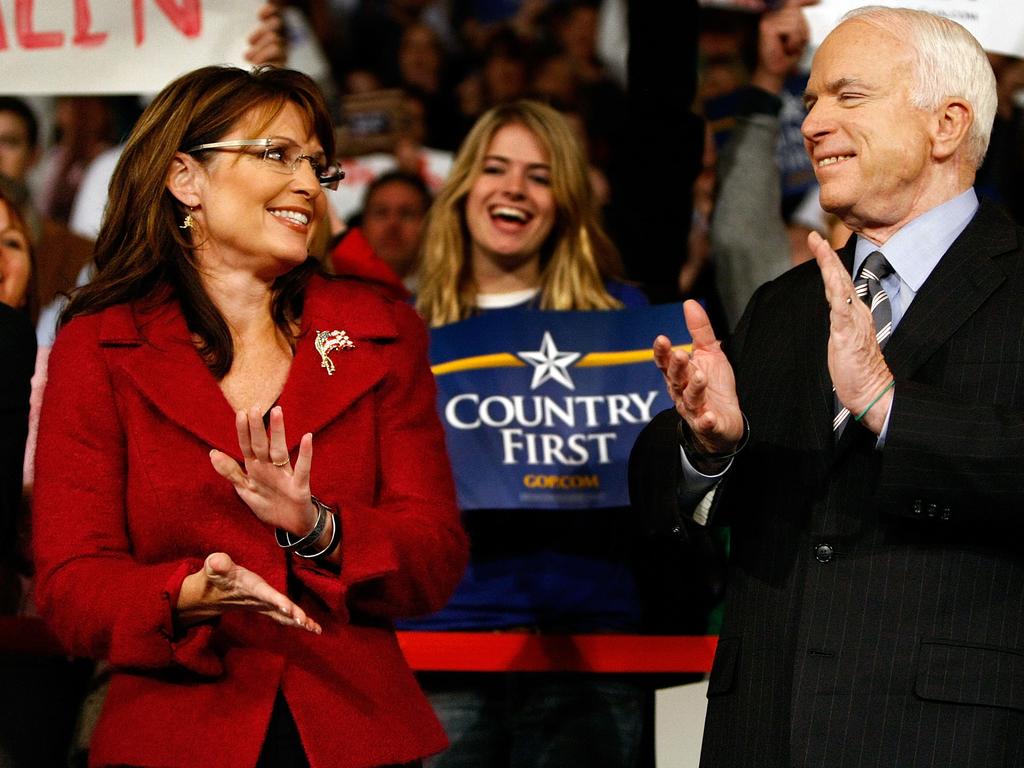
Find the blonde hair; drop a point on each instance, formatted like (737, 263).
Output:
(576, 258)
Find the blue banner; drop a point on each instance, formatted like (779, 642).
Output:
(541, 409)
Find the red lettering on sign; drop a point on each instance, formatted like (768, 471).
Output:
(29, 38)
(186, 16)
(3, 35)
(83, 21)
(140, 27)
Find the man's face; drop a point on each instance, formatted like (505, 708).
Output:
(16, 154)
(870, 147)
(393, 225)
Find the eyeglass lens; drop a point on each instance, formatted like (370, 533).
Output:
(286, 156)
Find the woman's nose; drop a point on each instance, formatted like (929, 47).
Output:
(514, 184)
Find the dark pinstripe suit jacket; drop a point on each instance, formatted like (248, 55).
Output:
(875, 609)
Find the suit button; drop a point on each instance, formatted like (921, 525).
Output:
(933, 509)
(917, 507)
(823, 553)
(947, 513)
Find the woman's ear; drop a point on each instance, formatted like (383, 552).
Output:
(183, 179)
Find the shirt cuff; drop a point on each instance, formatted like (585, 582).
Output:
(694, 491)
(880, 443)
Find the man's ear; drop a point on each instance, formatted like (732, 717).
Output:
(951, 123)
(184, 179)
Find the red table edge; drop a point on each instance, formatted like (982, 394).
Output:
(479, 651)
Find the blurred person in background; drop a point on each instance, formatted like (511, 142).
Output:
(18, 352)
(502, 75)
(478, 21)
(41, 690)
(59, 254)
(383, 243)
(426, 73)
(405, 151)
(16, 262)
(750, 187)
(393, 220)
(515, 230)
(84, 127)
(376, 29)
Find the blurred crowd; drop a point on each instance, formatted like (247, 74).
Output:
(407, 79)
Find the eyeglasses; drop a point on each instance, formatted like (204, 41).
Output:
(282, 156)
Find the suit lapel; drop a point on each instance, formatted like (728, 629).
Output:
(960, 283)
(963, 279)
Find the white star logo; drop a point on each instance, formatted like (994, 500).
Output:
(549, 363)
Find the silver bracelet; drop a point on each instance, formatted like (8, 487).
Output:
(284, 538)
(335, 538)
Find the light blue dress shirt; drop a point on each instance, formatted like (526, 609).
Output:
(917, 247)
(913, 253)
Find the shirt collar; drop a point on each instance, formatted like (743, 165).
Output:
(917, 247)
(505, 300)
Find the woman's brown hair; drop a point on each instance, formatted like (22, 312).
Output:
(141, 253)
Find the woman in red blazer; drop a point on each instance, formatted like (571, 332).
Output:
(241, 585)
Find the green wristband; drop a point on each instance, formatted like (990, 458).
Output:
(889, 386)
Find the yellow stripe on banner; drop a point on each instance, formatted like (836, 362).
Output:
(595, 359)
(498, 360)
(508, 360)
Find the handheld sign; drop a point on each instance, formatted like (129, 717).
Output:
(128, 46)
(541, 409)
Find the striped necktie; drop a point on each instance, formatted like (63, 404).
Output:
(868, 287)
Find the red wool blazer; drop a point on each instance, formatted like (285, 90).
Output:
(127, 504)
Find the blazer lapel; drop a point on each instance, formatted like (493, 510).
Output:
(166, 368)
(960, 283)
(164, 365)
(312, 398)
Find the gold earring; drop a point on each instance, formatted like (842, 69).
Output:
(189, 222)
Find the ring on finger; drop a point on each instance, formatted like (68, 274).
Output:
(849, 299)
(281, 463)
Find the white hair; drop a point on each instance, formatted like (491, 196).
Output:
(949, 63)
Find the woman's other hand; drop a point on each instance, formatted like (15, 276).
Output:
(276, 492)
(223, 585)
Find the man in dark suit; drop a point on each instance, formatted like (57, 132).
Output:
(875, 610)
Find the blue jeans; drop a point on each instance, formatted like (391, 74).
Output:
(537, 720)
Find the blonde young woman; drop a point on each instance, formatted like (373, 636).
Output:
(517, 223)
(516, 229)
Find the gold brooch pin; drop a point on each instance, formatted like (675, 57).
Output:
(328, 341)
